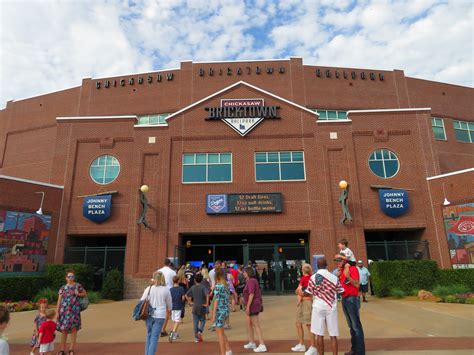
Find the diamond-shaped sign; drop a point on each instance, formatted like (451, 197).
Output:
(243, 125)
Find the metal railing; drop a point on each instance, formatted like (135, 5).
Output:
(398, 250)
(103, 259)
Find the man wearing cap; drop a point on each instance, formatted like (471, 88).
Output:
(364, 275)
(350, 306)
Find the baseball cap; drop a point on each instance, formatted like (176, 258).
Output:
(360, 262)
(338, 259)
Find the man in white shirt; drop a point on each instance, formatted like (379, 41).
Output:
(324, 287)
(364, 275)
(212, 273)
(168, 273)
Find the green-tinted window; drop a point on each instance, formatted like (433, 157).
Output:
(104, 169)
(332, 115)
(207, 167)
(464, 131)
(437, 125)
(155, 119)
(384, 163)
(279, 166)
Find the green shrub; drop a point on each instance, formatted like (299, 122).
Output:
(405, 275)
(94, 297)
(48, 293)
(448, 277)
(441, 291)
(112, 287)
(397, 293)
(451, 299)
(17, 288)
(470, 300)
(413, 292)
(56, 274)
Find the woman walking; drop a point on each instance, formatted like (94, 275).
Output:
(220, 310)
(253, 303)
(68, 311)
(160, 300)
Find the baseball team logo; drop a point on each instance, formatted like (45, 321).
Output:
(216, 204)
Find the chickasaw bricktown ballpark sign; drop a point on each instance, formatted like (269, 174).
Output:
(242, 115)
(393, 203)
(244, 203)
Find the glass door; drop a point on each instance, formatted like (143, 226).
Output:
(265, 259)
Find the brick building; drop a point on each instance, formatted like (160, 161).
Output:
(266, 141)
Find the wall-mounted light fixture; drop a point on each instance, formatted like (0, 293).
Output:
(445, 202)
(40, 210)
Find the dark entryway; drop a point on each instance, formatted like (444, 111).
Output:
(103, 253)
(396, 245)
(278, 257)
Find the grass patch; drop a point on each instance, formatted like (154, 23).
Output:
(397, 293)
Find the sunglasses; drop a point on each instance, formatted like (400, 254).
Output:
(70, 277)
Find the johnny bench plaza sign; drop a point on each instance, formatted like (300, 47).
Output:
(242, 115)
(393, 202)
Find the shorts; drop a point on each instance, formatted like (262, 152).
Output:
(364, 288)
(303, 312)
(322, 317)
(239, 290)
(44, 348)
(176, 316)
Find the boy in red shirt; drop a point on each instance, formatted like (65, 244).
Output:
(47, 333)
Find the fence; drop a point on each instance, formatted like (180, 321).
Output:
(103, 259)
(398, 250)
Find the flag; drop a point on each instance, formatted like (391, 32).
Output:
(325, 288)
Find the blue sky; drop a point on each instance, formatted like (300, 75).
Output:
(52, 45)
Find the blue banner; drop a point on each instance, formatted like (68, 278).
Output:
(393, 203)
(97, 208)
(216, 204)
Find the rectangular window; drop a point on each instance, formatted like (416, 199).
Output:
(279, 166)
(464, 131)
(207, 167)
(155, 119)
(331, 115)
(438, 128)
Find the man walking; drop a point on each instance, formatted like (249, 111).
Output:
(351, 305)
(324, 287)
(364, 275)
(168, 273)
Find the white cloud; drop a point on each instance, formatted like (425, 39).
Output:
(51, 45)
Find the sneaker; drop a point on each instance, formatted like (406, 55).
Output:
(260, 349)
(299, 348)
(311, 351)
(171, 337)
(228, 352)
(196, 340)
(227, 326)
(250, 346)
(199, 336)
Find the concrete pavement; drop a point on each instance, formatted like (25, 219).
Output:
(389, 326)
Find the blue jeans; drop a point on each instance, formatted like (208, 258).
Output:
(153, 330)
(199, 323)
(350, 306)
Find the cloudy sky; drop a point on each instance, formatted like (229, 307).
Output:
(48, 45)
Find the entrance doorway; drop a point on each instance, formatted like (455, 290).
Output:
(277, 257)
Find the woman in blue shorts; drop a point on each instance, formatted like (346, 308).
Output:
(221, 310)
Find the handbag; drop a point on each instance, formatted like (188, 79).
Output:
(143, 309)
(83, 302)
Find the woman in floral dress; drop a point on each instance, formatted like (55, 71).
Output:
(221, 310)
(68, 311)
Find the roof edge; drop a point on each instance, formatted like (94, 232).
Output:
(13, 178)
(450, 174)
(125, 117)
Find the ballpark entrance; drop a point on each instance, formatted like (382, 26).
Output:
(277, 258)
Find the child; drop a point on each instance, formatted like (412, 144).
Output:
(220, 311)
(46, 333)
(199, 298)
(39, 320)
(177, 298)
(4, 319)
(347, 255)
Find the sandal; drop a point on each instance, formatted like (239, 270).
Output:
(70, 352)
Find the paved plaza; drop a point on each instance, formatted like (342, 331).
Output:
(391, 327)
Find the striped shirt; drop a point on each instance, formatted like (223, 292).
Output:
(324, 287)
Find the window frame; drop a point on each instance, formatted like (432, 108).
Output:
(105, 169)
(207, 167)
(383, 163)
(159, 115)
(433, 125)
(279, 162)
(468, 130)
(324, 117)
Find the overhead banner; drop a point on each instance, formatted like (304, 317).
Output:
(97, 208)
(393, 203)
(244, 203)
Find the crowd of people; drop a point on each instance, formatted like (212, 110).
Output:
(213, 295)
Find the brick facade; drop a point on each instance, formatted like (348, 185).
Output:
(33, 143)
